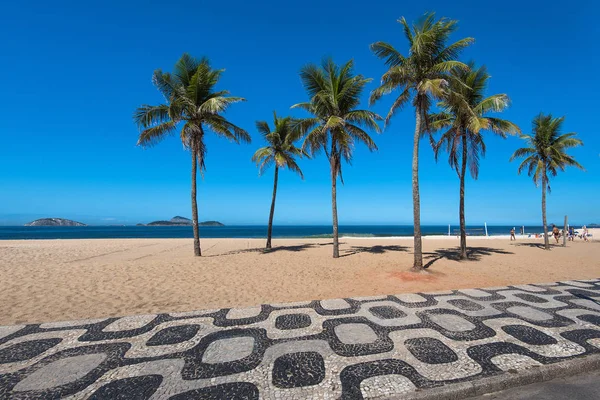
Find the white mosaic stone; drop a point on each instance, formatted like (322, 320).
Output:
(370, 298)
(530, 288)
(474, 293)
(578, 284)
(60, 372)
(587, 303)
(192, 313)
(127, 323)
(411, 298)
(514, 361)
(355, 333)
(529, 313)
(334, 304)
(292, 304)
(377, 386)
(238, 313)
(452, 322)
(230, 349)
(9, 330)
(594, 342)
(65, 324)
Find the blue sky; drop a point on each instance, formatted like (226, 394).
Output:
(73, 73)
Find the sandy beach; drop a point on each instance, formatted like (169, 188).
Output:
(52, 280)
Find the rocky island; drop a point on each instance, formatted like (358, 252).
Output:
(182, 221)
(54, 222)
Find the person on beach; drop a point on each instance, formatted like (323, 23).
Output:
(512, 235)
(555, 232)
(585, 233)
(571, 234)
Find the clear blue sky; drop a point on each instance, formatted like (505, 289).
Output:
(73, 73)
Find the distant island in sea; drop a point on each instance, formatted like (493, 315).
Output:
(181, 221)
(175, 221)
(54, 222)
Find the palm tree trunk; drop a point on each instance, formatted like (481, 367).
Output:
(418, 261)
(336, 249)
(270, 229)
(544, 183)
(461, 212)
(197, 251)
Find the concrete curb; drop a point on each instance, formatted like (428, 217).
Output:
(506, 380)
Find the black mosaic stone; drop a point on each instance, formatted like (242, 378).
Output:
(480, 331)
(430, 351)
(387, 312)
(95, 331)
(25, 350)
(529, 335)
(555, 322)
(353, 375)
(173, 335)
(381, 345)
(591, 318)
(225, 391)
(531, 298)
(484, 353)
(194, 368)
(466, 305)
(135, 388)
(298, 370)
(581, 337)
(292, 321)
(221, 320)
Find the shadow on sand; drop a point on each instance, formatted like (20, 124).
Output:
(473, 254)
(538, 245)
(261, 250)
(378, 249)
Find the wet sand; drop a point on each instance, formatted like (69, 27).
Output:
(52, 280)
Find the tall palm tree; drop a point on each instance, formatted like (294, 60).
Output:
(421, 75)
(546, 154)
(280, 151)
(336, 124)
(192, 104)
(464, 119)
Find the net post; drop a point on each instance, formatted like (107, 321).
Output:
(565, 232)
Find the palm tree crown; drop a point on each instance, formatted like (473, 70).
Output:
(464, 112)
(336, 124)
(191, 99)
(281, 149)
(546, 151)
(423, 74)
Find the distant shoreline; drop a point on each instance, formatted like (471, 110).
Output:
(386, 232)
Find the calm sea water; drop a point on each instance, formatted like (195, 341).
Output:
(242, 231)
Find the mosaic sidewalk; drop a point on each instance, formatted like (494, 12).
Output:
(350, 348)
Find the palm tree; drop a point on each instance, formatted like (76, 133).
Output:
(546, 154)
(336, 125)
(193, 105)
(280, 151)
(464, 118)
(422, 76)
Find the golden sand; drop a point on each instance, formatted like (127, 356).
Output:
(51, 280)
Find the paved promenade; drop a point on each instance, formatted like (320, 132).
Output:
(345, 348)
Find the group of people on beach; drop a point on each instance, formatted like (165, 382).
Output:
(557, 233)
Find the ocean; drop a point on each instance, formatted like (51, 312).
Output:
(241, 231)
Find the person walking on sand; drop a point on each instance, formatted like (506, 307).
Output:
(555, 232)
(512, 235)
(585, 233)
(571, 234)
